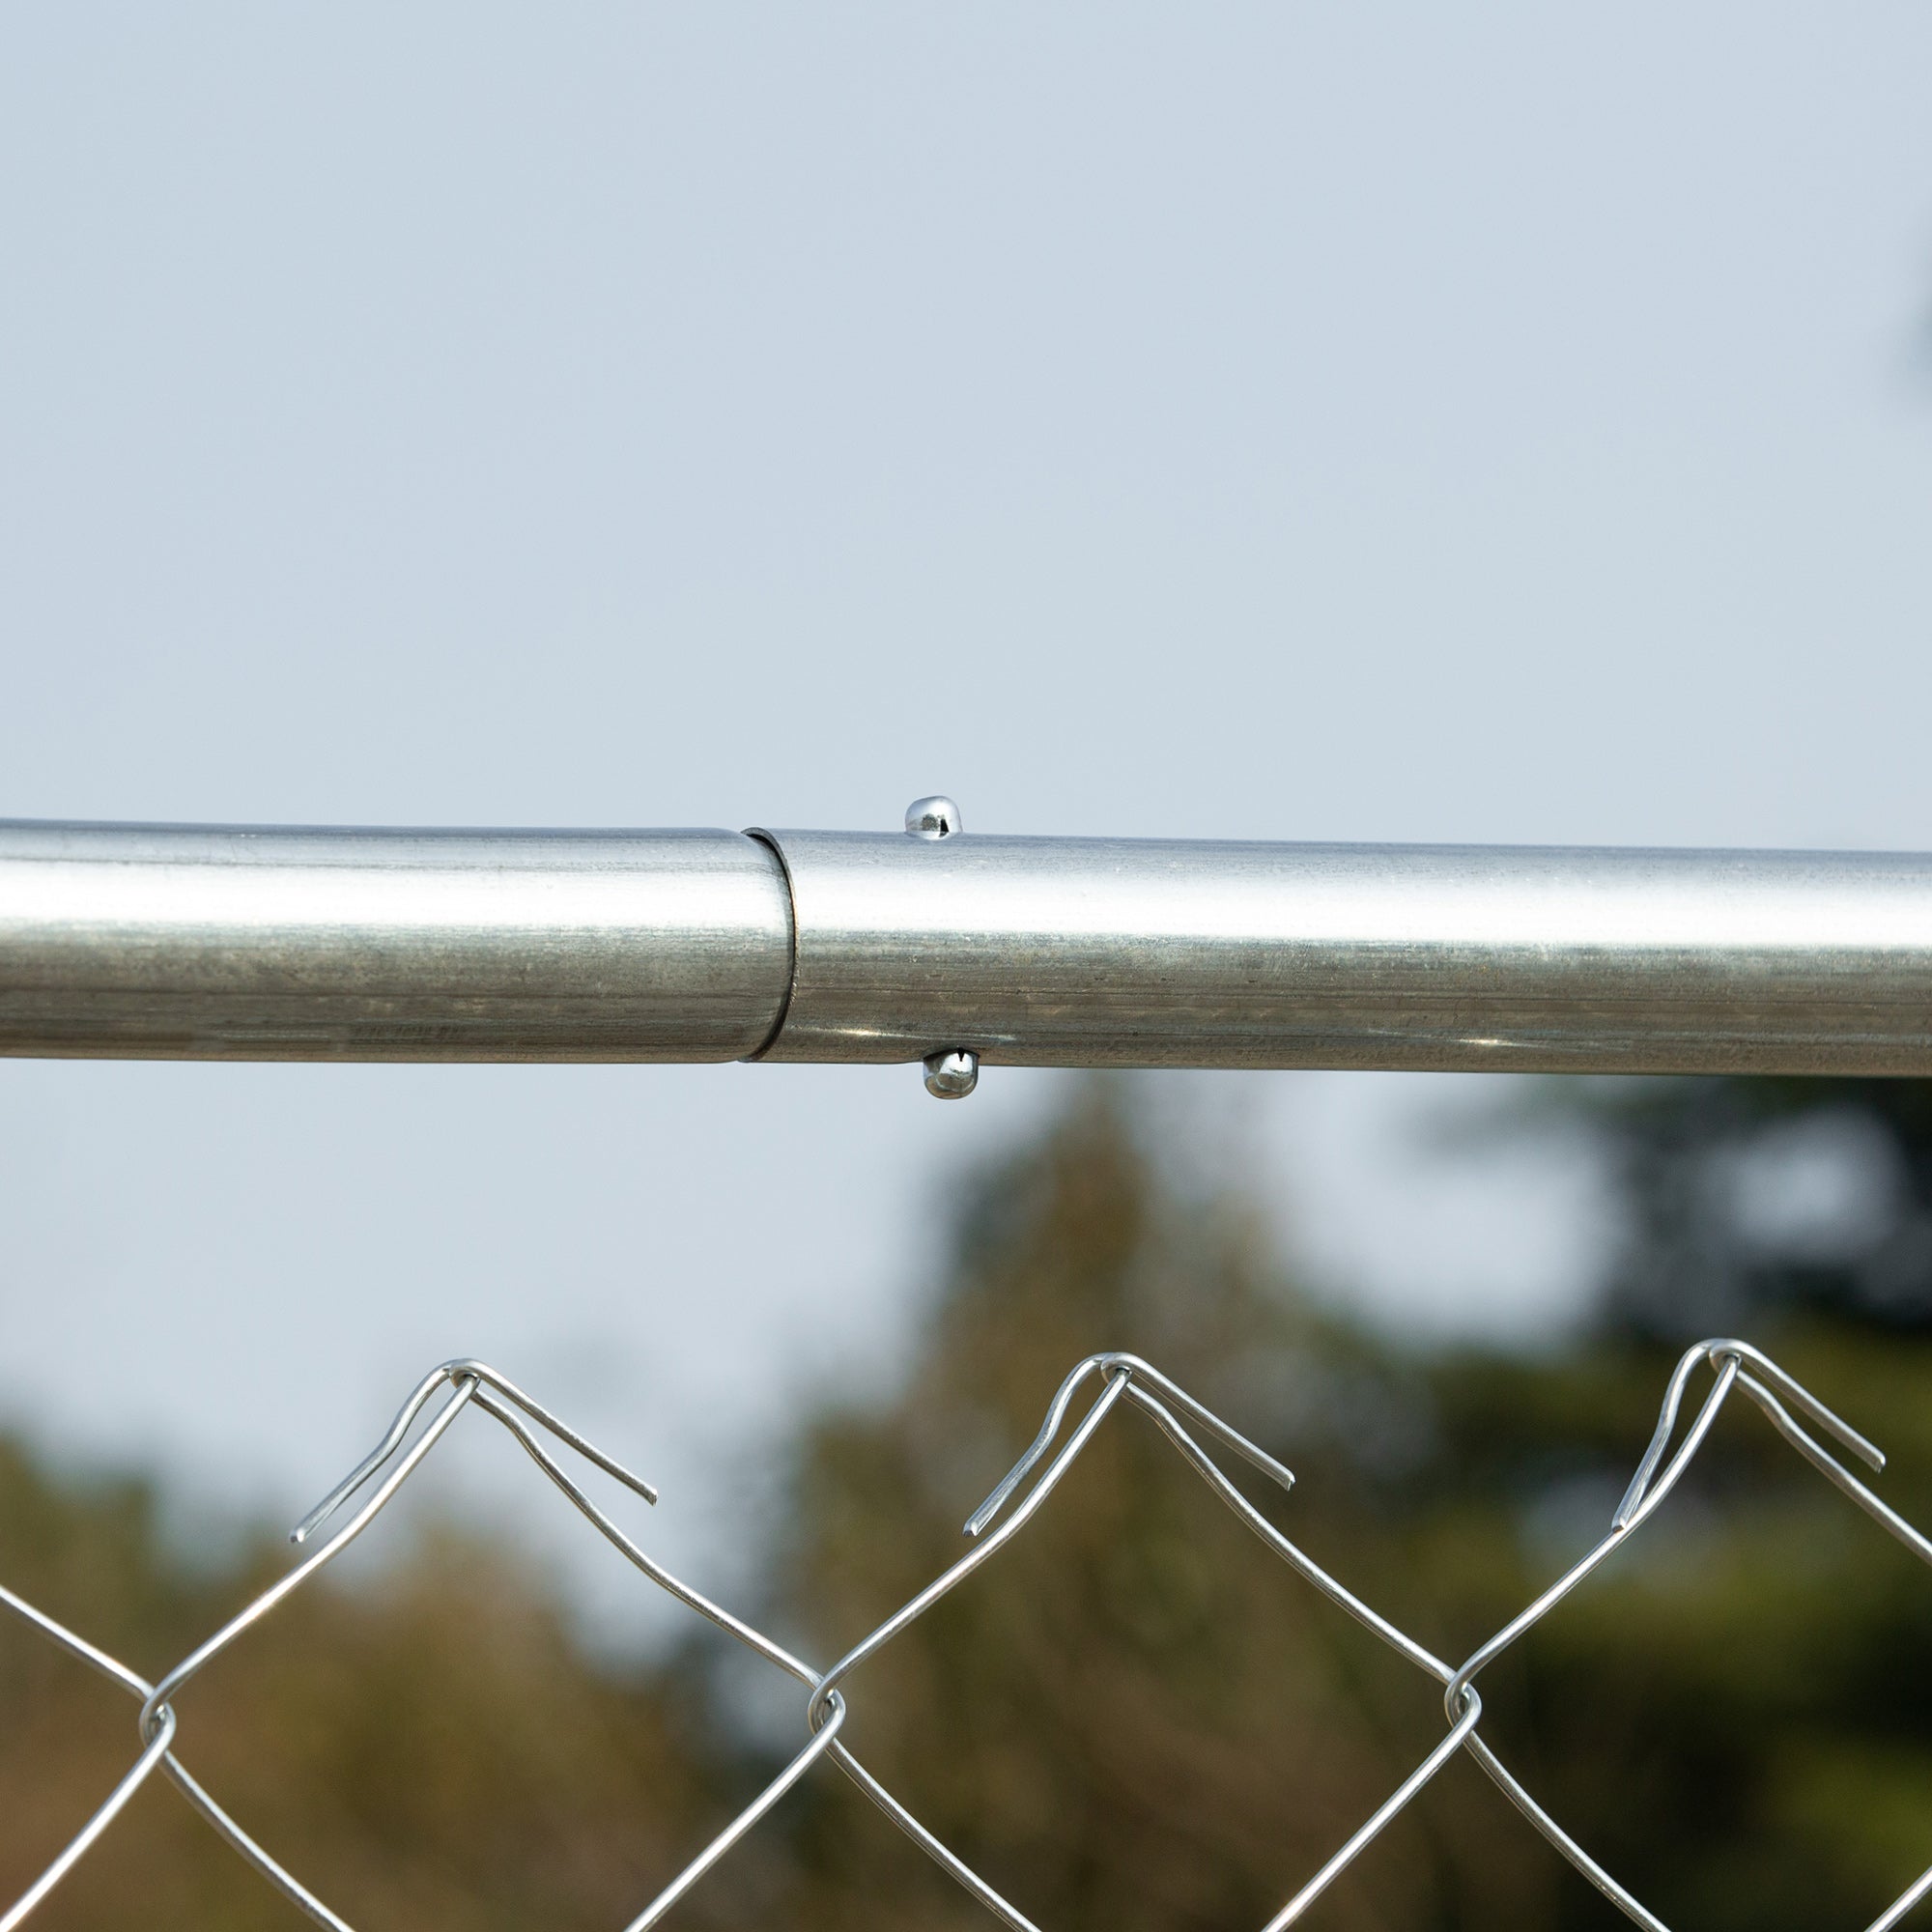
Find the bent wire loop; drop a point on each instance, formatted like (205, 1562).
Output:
(1012, 1504)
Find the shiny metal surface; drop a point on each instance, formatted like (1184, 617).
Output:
(1116, 952)
(951, 1076)
(182, 942)
(934, 817)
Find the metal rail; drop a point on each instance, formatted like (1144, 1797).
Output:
(207, 943)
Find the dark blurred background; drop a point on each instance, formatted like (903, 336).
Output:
(1135, 1717)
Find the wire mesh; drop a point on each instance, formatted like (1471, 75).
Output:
(441, 1397)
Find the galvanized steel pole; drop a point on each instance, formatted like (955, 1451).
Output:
(958, 949)
(202, 943)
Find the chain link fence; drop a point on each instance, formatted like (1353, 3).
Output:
(1105, 1382)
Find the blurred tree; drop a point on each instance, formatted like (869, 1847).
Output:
(1752, 1200)
(429, 1750)
(1135, 1717)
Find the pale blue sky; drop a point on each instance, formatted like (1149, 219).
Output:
(1367, 422)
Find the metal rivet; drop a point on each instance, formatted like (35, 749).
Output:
(951, 1075)
(935, 818)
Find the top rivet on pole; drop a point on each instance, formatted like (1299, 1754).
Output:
(935, 818)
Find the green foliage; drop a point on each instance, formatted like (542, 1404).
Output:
(1694, 1157)
(1136, 1717)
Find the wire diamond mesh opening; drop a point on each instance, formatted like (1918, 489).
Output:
(1104, 1382)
